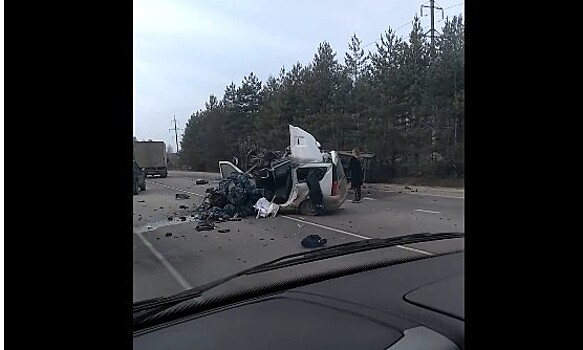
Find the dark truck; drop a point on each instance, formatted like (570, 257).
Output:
(151, 156)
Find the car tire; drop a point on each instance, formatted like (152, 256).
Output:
(136, 188)
(307, 208)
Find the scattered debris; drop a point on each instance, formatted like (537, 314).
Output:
(407, 187)
(265, 208)
(182, 196)
(161, 207)
(201, 181)
(141, 201)
(170, 218)
(313, 241)
(234, 197)
(183, 218)
(182, 207)
(204, 226)
(140, 218)
(168, 234)
(224, 230)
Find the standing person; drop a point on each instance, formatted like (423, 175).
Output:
(355, 167)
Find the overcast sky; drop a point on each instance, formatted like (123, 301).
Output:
(185, 50)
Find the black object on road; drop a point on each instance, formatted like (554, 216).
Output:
(201, 181)
(182, 206)
(182, 196)
(170, 218)
(224, 230)
(168, 234)
(183, 218)
(313, 241)
(204, 226)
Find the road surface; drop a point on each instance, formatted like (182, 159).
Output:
(171, 256)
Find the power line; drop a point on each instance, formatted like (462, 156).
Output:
(409, 22)
(461, 3)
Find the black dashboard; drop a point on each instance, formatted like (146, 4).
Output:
(413, 305)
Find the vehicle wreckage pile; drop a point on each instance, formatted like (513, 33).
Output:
(233, 198)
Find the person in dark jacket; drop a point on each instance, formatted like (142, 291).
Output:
(355, 168)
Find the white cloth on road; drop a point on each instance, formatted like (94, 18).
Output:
(265, 208)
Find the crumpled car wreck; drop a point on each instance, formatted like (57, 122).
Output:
(302, 178)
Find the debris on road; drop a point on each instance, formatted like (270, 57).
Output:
(407, 187)
(168, 234)
(265, 208)
(141, 201)
(204, 226)
(201, 181)
(170, 218)
(182, 196)
(234, 197)
(313, 241)
(224, 230)
(183, 218)
(183, 206)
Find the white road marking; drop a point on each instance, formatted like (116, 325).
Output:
(353, 234)
(415, 250)
(418, 193)
(164, 262)
(326, 227)
(174, 188)
(427, 211)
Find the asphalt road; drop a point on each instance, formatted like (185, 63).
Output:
(171, 256)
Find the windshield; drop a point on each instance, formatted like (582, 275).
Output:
(269, 129)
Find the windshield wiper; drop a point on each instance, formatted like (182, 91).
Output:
(299, 258)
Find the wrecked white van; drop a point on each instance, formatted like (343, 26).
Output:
(287, 181)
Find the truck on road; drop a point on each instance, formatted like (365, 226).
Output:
(151, 157)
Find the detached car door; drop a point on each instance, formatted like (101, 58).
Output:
(227, 168)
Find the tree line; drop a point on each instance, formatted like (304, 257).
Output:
(404, 102)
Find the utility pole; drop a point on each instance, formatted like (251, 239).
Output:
(175, 132)
(432, 30)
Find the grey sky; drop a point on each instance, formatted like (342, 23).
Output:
(185, 50)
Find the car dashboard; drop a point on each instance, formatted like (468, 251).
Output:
(414, 305)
